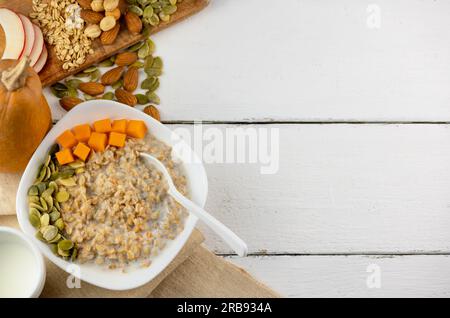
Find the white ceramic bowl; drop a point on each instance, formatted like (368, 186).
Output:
(89, 112)
(9, 235)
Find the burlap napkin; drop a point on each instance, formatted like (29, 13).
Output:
(8, 190)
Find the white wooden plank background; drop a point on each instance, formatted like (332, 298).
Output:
(365, 191)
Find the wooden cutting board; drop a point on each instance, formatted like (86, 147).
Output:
(53, 71)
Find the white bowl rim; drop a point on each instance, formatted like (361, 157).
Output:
(179, 241)
(25, 239)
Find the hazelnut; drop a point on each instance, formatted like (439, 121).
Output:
(93, 31)
(97, 6)
(107, 23)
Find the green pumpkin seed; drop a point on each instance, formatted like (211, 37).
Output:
(81, 75)
(53, 149)
(144, 51)
(34, 199)
(131, 1)
(164, 17)
(59, 223)
(67, 173)
(153, 20)
(73, 83)
(148, 61)
(90, 69)
(153, 98)
(136, 46)
(72, 92)
(173, 2)
(52, 167)
(74, 255)
(48, 174)
(47, 160)
(138, 64)
(117, 84)
(56, 205)
(143, 3)
(49, 232)
(43, 204)
(95, 76)
(55, 215)
(48, 193)
(88, 97)
(42, 173)
(33, 191)
(62, 196)
(142, 99)
(168, 10)
(54, 248)
(108, 96)
(59, 87)
(135, 9)
(59, 94)
(41, 187)
(146, 31)
(45, 220)
(151, 45)
(53, 185)
(39, 236)
(49, 201)
(150, 71)
(63, 253)
(56, 239)
(154, 86)
(65, 245)
(79, 170)
(76, 164)
(157, 63)
(106, 63)
(37, 207)
(35, 220)
(148, 82)
(68, 182)
(148, 12)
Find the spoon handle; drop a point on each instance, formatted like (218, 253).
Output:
(234, 241)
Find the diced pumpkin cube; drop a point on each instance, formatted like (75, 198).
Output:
(98, 141)
(120, 126)
(67, 139)
(136, 129)
(117, 139)
(64, 156)
(103, 126)
(82, 151)
(82, 132)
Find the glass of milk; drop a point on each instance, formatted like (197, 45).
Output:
(22, 268)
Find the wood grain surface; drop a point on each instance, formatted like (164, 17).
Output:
(53, 70)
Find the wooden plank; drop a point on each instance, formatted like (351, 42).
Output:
(53, 71)
(339, 189)
(346, 276)
(313, 61)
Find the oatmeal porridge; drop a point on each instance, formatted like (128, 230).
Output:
(119, 210)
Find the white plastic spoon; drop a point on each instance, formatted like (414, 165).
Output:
(225, 233)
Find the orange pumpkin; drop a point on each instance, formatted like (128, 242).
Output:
(25, 116)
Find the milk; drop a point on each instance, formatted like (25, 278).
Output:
(18, 270)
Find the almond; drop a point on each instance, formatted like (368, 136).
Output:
(91, 88)
(125, 97)
(90, 16)
(109, 37)
(85, 4)
(112, 76)
(68, 102)
(126, 58)
(134, 23)
(152, 111)
(131, 79)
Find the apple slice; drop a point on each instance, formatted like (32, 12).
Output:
(14, 39)
(38, 45)
(29, 35)
(42, 60)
